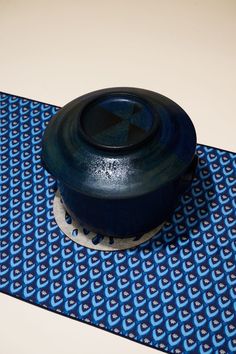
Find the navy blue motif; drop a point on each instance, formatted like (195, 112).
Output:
(176, 292)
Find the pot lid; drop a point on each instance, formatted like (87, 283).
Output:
(119, 143)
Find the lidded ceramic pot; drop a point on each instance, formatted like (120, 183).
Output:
(122, 157)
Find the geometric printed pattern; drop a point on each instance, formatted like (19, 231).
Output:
(176, 292)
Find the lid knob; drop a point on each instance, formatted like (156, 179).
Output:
(117, 121)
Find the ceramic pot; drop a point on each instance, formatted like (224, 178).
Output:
(122, 157)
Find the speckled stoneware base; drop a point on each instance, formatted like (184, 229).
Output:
(89, 239)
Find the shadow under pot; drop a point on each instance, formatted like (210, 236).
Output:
(122, 157)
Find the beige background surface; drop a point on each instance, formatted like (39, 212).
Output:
(54, 51)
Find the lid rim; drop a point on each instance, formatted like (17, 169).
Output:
(71, 176)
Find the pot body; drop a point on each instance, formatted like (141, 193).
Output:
(126, 217)
(122, 157)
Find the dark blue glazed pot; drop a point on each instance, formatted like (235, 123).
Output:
(122, 157)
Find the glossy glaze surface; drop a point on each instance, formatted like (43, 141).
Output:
(122, 157)
(126, 173)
